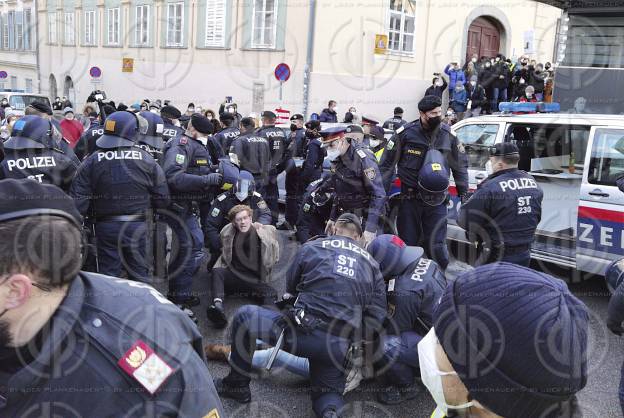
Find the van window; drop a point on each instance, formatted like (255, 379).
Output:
(607, 157)
(477, 138)
(20, 102)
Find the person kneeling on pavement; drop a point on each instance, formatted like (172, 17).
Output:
(250, 250)
(339, 292)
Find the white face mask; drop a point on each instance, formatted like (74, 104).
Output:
(439, 83)
(176, 123)
(474, 60)
(374, 143)
(473, 83)
(431, 375)
(488, 168)
(333, 153)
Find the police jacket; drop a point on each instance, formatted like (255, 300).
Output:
(312, 218)
(86, 143)
(113, 348)
(412, 297)
(298, 143)
(407, 149)
(358, 185)
(279, 146)
(214, 150)
(186, 164)
(507, 205)
(226, 136)
(217, 215)
(334, 278)
(170, 131)
(119, 181)
(253, 155)
(46, 165)
(394, 123)
(313, 161)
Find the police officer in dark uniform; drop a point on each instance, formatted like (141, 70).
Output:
(118, 185)
(339, 290)
(396, 121)
(281, 160)
(171, 129)
(152, 140)
(28, 155)
(86, 144)
(313, 155)
(294, 183)
(229, 133)
(415, 285)
(86, 331)
(315, 209)
(358, 183)
(243, 193)
(420, 223)
(503, 214)
(39, 108)
(252, 153)
(190, 177)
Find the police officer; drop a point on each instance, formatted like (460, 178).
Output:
(419, 223)
(313, 155)
(229, 132)
(243, 193)
(28, 155)
(358, 183)
(117, 186)
(86, 143)
(396, 121)
(252, 153)
(191, 179)
(152, 140)
(86, 331)
(338, 288)
(315, 209)
(280, 158)
(415, 285)
(294, 183)
(615, 313)
(39, 108)
(171, 128)
(503, 214)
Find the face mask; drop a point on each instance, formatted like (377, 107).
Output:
(488, 168)
(334, 153)
(439, 83)
(487, 65)
(529, 95)
(190, 109)
(434, 122)
(69, 117)
(231, 110)
(473, 83)
(209, 117)
(521, 81)
(203, 140)
(293, 127)
(4, 102)
(431, 375)
(474, 60)
(497, 59)
(155, 111)
(374, 143)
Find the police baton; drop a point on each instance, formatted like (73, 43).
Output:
(276, 349)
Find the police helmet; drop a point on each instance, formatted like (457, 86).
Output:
(153, 134)
(614, 274)
(433, 179)
(30, 132)
(121, 129)
(393, 255)
(245, 186)
(230, 173)
(322, 191)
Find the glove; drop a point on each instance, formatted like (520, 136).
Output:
(615, 328)
(213, 179)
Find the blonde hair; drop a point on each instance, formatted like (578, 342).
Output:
(238, 209)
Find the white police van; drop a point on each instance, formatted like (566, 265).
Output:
(19, 100)
(576, 160)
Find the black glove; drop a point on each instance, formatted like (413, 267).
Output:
(213, 179)
(615, 328)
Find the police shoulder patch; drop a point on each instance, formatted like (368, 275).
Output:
(221, 197)
(145, 366)
(361, 153)
(215, 212)
(390, 145)
(401, 129)
(212, 414)
(180, 158)
(183, 140)
(262, 204)
(370, 173)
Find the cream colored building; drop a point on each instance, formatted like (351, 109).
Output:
(18, 46)
(203, 50)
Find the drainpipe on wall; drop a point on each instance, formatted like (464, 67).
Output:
(309, 59)
(36, 3)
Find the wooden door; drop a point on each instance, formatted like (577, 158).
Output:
(483, 39)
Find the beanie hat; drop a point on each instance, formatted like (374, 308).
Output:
(429, 103)
(517, 339)
(202, 124)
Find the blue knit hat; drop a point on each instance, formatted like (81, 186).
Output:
(516, 337)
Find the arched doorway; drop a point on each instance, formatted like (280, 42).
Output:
(68, 90)
(53, 90)
(484, 38)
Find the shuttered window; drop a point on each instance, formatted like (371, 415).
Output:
(215, 23)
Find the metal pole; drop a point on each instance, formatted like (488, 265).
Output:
(309, 59)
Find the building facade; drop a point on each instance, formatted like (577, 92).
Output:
(204, 50)
(18, 46)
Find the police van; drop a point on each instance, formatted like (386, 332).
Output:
(576, 159)
(19, 100)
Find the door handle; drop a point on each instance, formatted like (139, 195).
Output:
(598, 193)
(480, 176)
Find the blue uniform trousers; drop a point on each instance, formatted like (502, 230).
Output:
(400, 358)
(422, 225)
(186, 255)
(122, 245)
(325, 352)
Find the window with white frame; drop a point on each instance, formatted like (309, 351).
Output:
(11, 29)
(70, 29)
(215, 23)
(19, 31)
(175, 23)
(141, 34)
(27, 27)
(51, 29)
(401, 26)
(264, 24)
(113, 26)
(29, 85)
(89, 29)
(5, 31)
(13, 82)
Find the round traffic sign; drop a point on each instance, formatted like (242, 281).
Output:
(95, 72)
(282, 72)
(3, 74)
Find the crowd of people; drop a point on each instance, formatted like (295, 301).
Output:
(153, 188)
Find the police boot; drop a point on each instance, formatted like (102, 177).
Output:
(218, 352)
(234, 390)
(393, 395)
(216, 314)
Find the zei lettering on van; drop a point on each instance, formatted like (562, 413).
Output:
(32, 162)
(120, 155)
(601, 230)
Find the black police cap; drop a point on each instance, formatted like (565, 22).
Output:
(504, 149)
(429, 103)
(398, 110)
(354, 129)
(26, 198)
(296, 116)
(268, 114)
(171, 112)
(41, 107)
(313, 125)
(201, 123)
